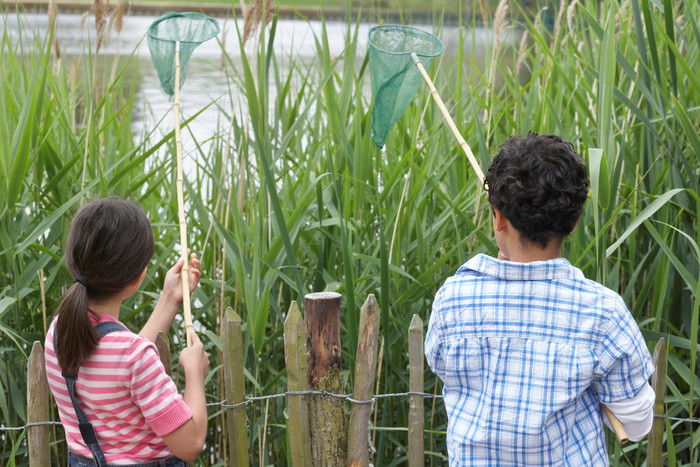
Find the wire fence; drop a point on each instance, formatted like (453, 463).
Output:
(347, 397)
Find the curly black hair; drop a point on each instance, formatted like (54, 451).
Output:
(539, 183)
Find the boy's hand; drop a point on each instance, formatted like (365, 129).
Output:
(172, 285)
(194, 360)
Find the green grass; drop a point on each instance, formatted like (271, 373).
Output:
(293, 197)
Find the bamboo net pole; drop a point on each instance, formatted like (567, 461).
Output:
(465, 147)
(619, 430)
(185, 274)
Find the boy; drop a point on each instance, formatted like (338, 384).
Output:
(526, 346)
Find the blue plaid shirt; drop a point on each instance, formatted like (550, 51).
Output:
(527, 352)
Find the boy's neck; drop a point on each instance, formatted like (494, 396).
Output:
(514, 248)
(534, 252)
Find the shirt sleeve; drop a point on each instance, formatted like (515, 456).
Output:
(624, 364)
(155, 392)
(434, 345)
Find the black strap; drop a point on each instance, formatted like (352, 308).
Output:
(87, 431)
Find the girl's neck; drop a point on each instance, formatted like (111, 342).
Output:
(109, 306)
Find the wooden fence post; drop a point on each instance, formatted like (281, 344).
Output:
(327, 416)
(658, 382)
(365, 367)
(234, 381)
(37, 408)
(416, 452)
(295, 360)
(163, 347)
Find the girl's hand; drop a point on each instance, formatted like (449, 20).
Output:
(194, 360)
(170, 299)
(172, 285)
(187, 441)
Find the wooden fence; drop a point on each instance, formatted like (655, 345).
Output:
(320, 431)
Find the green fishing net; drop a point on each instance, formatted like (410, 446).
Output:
(190, 29)
(395, 77)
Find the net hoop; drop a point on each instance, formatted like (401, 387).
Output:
(429, 40)
(153, 29)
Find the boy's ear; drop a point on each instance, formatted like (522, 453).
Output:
(499, 220)
(575, 225)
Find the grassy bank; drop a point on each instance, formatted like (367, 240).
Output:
(293, 197)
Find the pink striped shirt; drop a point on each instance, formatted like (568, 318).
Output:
(125, 393)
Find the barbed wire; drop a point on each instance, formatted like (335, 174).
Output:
(28, 425)
(676, 419)
(347, 397)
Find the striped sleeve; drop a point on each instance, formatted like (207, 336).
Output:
(154, 391)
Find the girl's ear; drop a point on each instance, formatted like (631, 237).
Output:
(137, 282)
(142, 276)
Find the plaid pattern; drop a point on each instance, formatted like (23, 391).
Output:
(527, 351)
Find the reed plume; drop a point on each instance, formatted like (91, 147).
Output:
(484, 12)
(253, 16)
(52, 13)
(100, 10)
(570, 12)
(557, 23)
(499, 27)
(522, 52)
(116, 19)
(53, 20)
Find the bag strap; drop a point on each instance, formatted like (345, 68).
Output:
(87, 431)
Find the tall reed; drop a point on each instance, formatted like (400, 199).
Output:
(291, 196)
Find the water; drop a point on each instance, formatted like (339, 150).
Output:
(205, 82)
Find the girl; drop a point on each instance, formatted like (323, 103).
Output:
(118, 381)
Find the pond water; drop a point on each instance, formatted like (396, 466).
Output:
(205, 81)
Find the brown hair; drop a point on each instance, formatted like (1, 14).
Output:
(109, 244)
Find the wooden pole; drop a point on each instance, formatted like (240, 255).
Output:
(163, 347)
(327, 416)
(445, 113)
(658, 382)
(37, 408)
(295, 360)
(234, 382)
(416, 422)
(185, 275)
(365, 368)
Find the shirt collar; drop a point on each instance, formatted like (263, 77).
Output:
(558, 268)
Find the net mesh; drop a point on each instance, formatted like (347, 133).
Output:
(395, 77)
(190, 29)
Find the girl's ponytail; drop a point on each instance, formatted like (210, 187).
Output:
(109, 245)
(75, 337)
